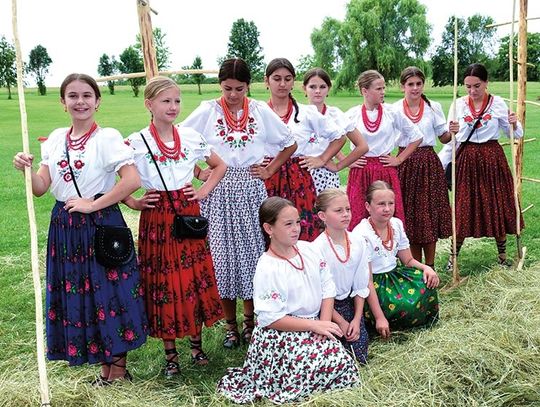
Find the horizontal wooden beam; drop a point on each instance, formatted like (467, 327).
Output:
(509, 22)
(531, 179)
(530, 102)
(516, 141)
(166, 73)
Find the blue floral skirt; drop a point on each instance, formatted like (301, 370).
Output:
(93, 313)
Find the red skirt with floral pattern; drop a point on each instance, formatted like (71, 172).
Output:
(178, 275)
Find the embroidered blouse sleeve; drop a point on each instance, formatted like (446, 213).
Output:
(400, 237)
(322, 125)
(361, 274)
(500, 110)
(200, 118)
(327, 282)
(269, 291)
(197, 142)
(276, 132)
(49, 144)
(404, 125)
(114, 152)
(342, 120)
(439, 121)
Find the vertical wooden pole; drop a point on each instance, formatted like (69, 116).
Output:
(40, 345)
(147, 39)
(455, 270)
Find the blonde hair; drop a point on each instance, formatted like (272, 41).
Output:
(325, 197)
(366, 78)
(377, 186)
(158, 84)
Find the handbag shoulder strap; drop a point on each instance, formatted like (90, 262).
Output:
(159, 173)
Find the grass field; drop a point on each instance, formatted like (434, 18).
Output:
(484, 351)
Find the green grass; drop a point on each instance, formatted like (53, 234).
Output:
(484, 351)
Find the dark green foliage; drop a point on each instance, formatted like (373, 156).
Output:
(131, 61)
(8, 65)
(244, 43)
(502, 72)
(107, 67)
(38, 66)
(162, 51)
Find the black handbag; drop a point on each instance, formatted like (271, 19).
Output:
(113, 245)
(448, 169)
(184, 226)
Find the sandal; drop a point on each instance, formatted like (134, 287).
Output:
(172, 367)
(504, 261)
(249, 324)
(200, 358)
(232, 337)
(102, 381)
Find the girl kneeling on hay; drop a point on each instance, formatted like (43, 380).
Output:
(406, 293)
(293, 351)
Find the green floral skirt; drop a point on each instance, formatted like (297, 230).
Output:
(404, 298)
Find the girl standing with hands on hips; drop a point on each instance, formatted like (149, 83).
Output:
(178, 274)
(406, 294)
(484, 186)
(348, 259)
(95, 314)
(316, 86)
(294, 351)
(239, 129)
(379, 123)
(421, 176)
(309, 127)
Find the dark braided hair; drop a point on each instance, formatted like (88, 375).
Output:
(411, 71)
(273, 66)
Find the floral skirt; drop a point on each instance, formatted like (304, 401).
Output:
(234, 233)
(294, 183)
(93, 312)
(288, 366)
(359, 181)
(425, 197)
(178, 275)
(323, 179)
(405, 299)
(345, 308)
(484, 192)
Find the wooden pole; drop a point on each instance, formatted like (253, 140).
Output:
(141, 74)
(40, 345)
(455, 270)
(147, 39)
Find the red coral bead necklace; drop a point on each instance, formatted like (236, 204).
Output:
(78, 144)
(170, 152)
(372, 126)
(300, 268)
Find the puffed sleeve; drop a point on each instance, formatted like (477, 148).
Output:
(404, 125)
(500, 110)
(322, 125)
(269, 292)
(361, 274)
(400, 236)
(439, 121)
(199, 118)
(342, 120)
(114, 153)
(48, 145)
(137, 144)
(327, 282)
(276, 132)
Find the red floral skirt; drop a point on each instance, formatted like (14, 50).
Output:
(294, 183)
(178, 275)
(425, 197)
(484, 192)
(359, 181)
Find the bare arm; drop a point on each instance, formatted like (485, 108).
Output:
(218, 169)
(41, 180)
(265, 172)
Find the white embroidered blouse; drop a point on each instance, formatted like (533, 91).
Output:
(431, 125)
(279, 289)
(94, 167)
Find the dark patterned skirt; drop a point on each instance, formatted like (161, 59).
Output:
(93, 313)
(294, 183)
(405, 299)
(359, 181)
(287, 367)
(359, 348)
(178, 275)
(484, 192)
(425, 197)
(234, 233)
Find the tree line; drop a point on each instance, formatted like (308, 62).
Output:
(386, 35)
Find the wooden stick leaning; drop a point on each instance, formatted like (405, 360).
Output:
(40, 345)
(512, 145)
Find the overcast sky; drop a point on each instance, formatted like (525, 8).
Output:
(76, 33)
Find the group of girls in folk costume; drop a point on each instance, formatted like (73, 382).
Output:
(293, 351)
(316, 85)
(379, 123)
(421, 176)
(406, 293)
(293, 181)
(485, 205)
(240, 130)
(178, 274)
(93, 314)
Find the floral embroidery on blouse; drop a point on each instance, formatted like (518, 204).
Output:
(313, 139)
(76, 165)
(272, 295)
(470, 120)
(164, 160)
(236, 139)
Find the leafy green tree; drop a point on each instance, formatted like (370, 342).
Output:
(502, 72)
(162, 51)
(131, 61)
(107, 67)
(327, 46)
(198, 78)
(385, 35)
(8, 65)
(244, 43)
(476, 43)
(38, 66)
(305, 63)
